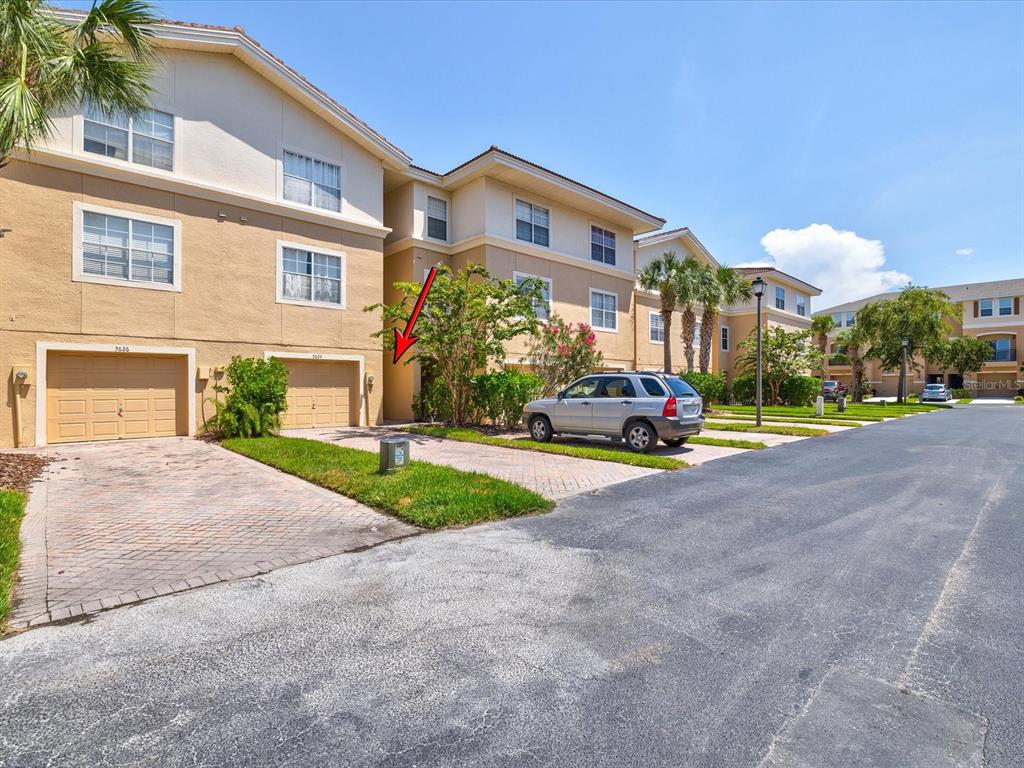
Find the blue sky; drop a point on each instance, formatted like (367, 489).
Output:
(897, 128)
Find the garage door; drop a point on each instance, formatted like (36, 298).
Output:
(996, 385)
(321, 394)
(110, 397)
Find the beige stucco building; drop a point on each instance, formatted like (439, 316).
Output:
(243, 215)
(989, 311)
(247, 213)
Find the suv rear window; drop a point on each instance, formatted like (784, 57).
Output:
(679, 387)
(653, 387)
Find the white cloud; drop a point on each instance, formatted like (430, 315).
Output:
(843, 264)
(964, 252)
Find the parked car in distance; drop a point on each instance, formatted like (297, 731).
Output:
(935, 392)
(833, 390)
(639, 407)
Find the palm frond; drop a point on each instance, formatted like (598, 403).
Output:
(23, 116)
(129, 20)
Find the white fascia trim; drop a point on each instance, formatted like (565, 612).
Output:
(281, 299)
(133, 174)
(42, 347)
(78, 274)
(325, 356)
(684, 234)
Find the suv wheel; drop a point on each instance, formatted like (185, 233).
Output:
(641, 437)
(540, 429)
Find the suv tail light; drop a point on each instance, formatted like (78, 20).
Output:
(670, 407)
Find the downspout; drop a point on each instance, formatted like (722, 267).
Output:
(17, 414)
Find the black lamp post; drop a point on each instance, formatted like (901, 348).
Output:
(902, 395)
(758, 286)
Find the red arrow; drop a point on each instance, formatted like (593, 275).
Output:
(405, 339)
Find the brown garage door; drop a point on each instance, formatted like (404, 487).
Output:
(321, 393)
(109, 397)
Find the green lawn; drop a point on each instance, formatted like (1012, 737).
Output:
(427, 495)
(598, 453)
(965, 400)
(722, 442)
(766, 429)
(785, 419)
(12, 508)
(858, 411)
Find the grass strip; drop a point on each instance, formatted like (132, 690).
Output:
(966, 400)
(427, 495)
(722, 442)
(12, 509)
(766, 429)
(466, 435)
(786, 419)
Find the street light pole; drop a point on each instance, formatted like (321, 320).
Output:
(902, 394)
(758, 286)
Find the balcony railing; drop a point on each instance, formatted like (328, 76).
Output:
(1003, 356)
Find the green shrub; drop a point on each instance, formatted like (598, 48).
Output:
(434, 401)
(254, 400)
(743, 388)
(711, 386)
(800, 390)
(962, 393)
(501, 396)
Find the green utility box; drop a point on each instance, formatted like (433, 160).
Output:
(394, 453)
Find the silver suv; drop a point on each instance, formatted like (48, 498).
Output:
(638, 406)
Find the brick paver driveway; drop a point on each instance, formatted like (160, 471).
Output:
(113, 523)
(555, 477)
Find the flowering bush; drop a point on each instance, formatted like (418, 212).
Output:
(561, 352)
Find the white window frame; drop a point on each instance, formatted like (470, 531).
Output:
(650, 328)
(515, 217)
(801, 305)
(590, 244)
(78, 273)
(991, 308)
(615, 296)
(282, 299)
(999, 306)
(551, 294)
(837, 318)
(447, 220)
(783, 297)
(80, 119)
(723, 338)
(282, 148)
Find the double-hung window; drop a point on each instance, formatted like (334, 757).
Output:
(119, 248)
(437, 218)
(311, 182)
(851, 319)
(602, 245)
(1006, 306)
(657, 328)
(533, 223)
(780, 297)
(312, 277)
(1002, 351)
(604, 310)
(837, 318)
(985, 308)
(146, 138)
(542, 308)
(725, 338)
(801, 306)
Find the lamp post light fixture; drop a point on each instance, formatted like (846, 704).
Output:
(902, 394)
(758, 286)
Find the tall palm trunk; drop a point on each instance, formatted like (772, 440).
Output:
(707, 336)
(689, 324)
(666, 319)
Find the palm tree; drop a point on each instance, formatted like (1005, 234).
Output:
(821, 327)
(660, 275)
(853, 340)
(687, 283)
(48, 65)
(726, 286)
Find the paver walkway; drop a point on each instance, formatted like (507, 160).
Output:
(114, 523)
(555, 477)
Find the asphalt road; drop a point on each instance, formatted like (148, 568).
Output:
(851, 600)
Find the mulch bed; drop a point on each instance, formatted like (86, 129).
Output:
(18, 470)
